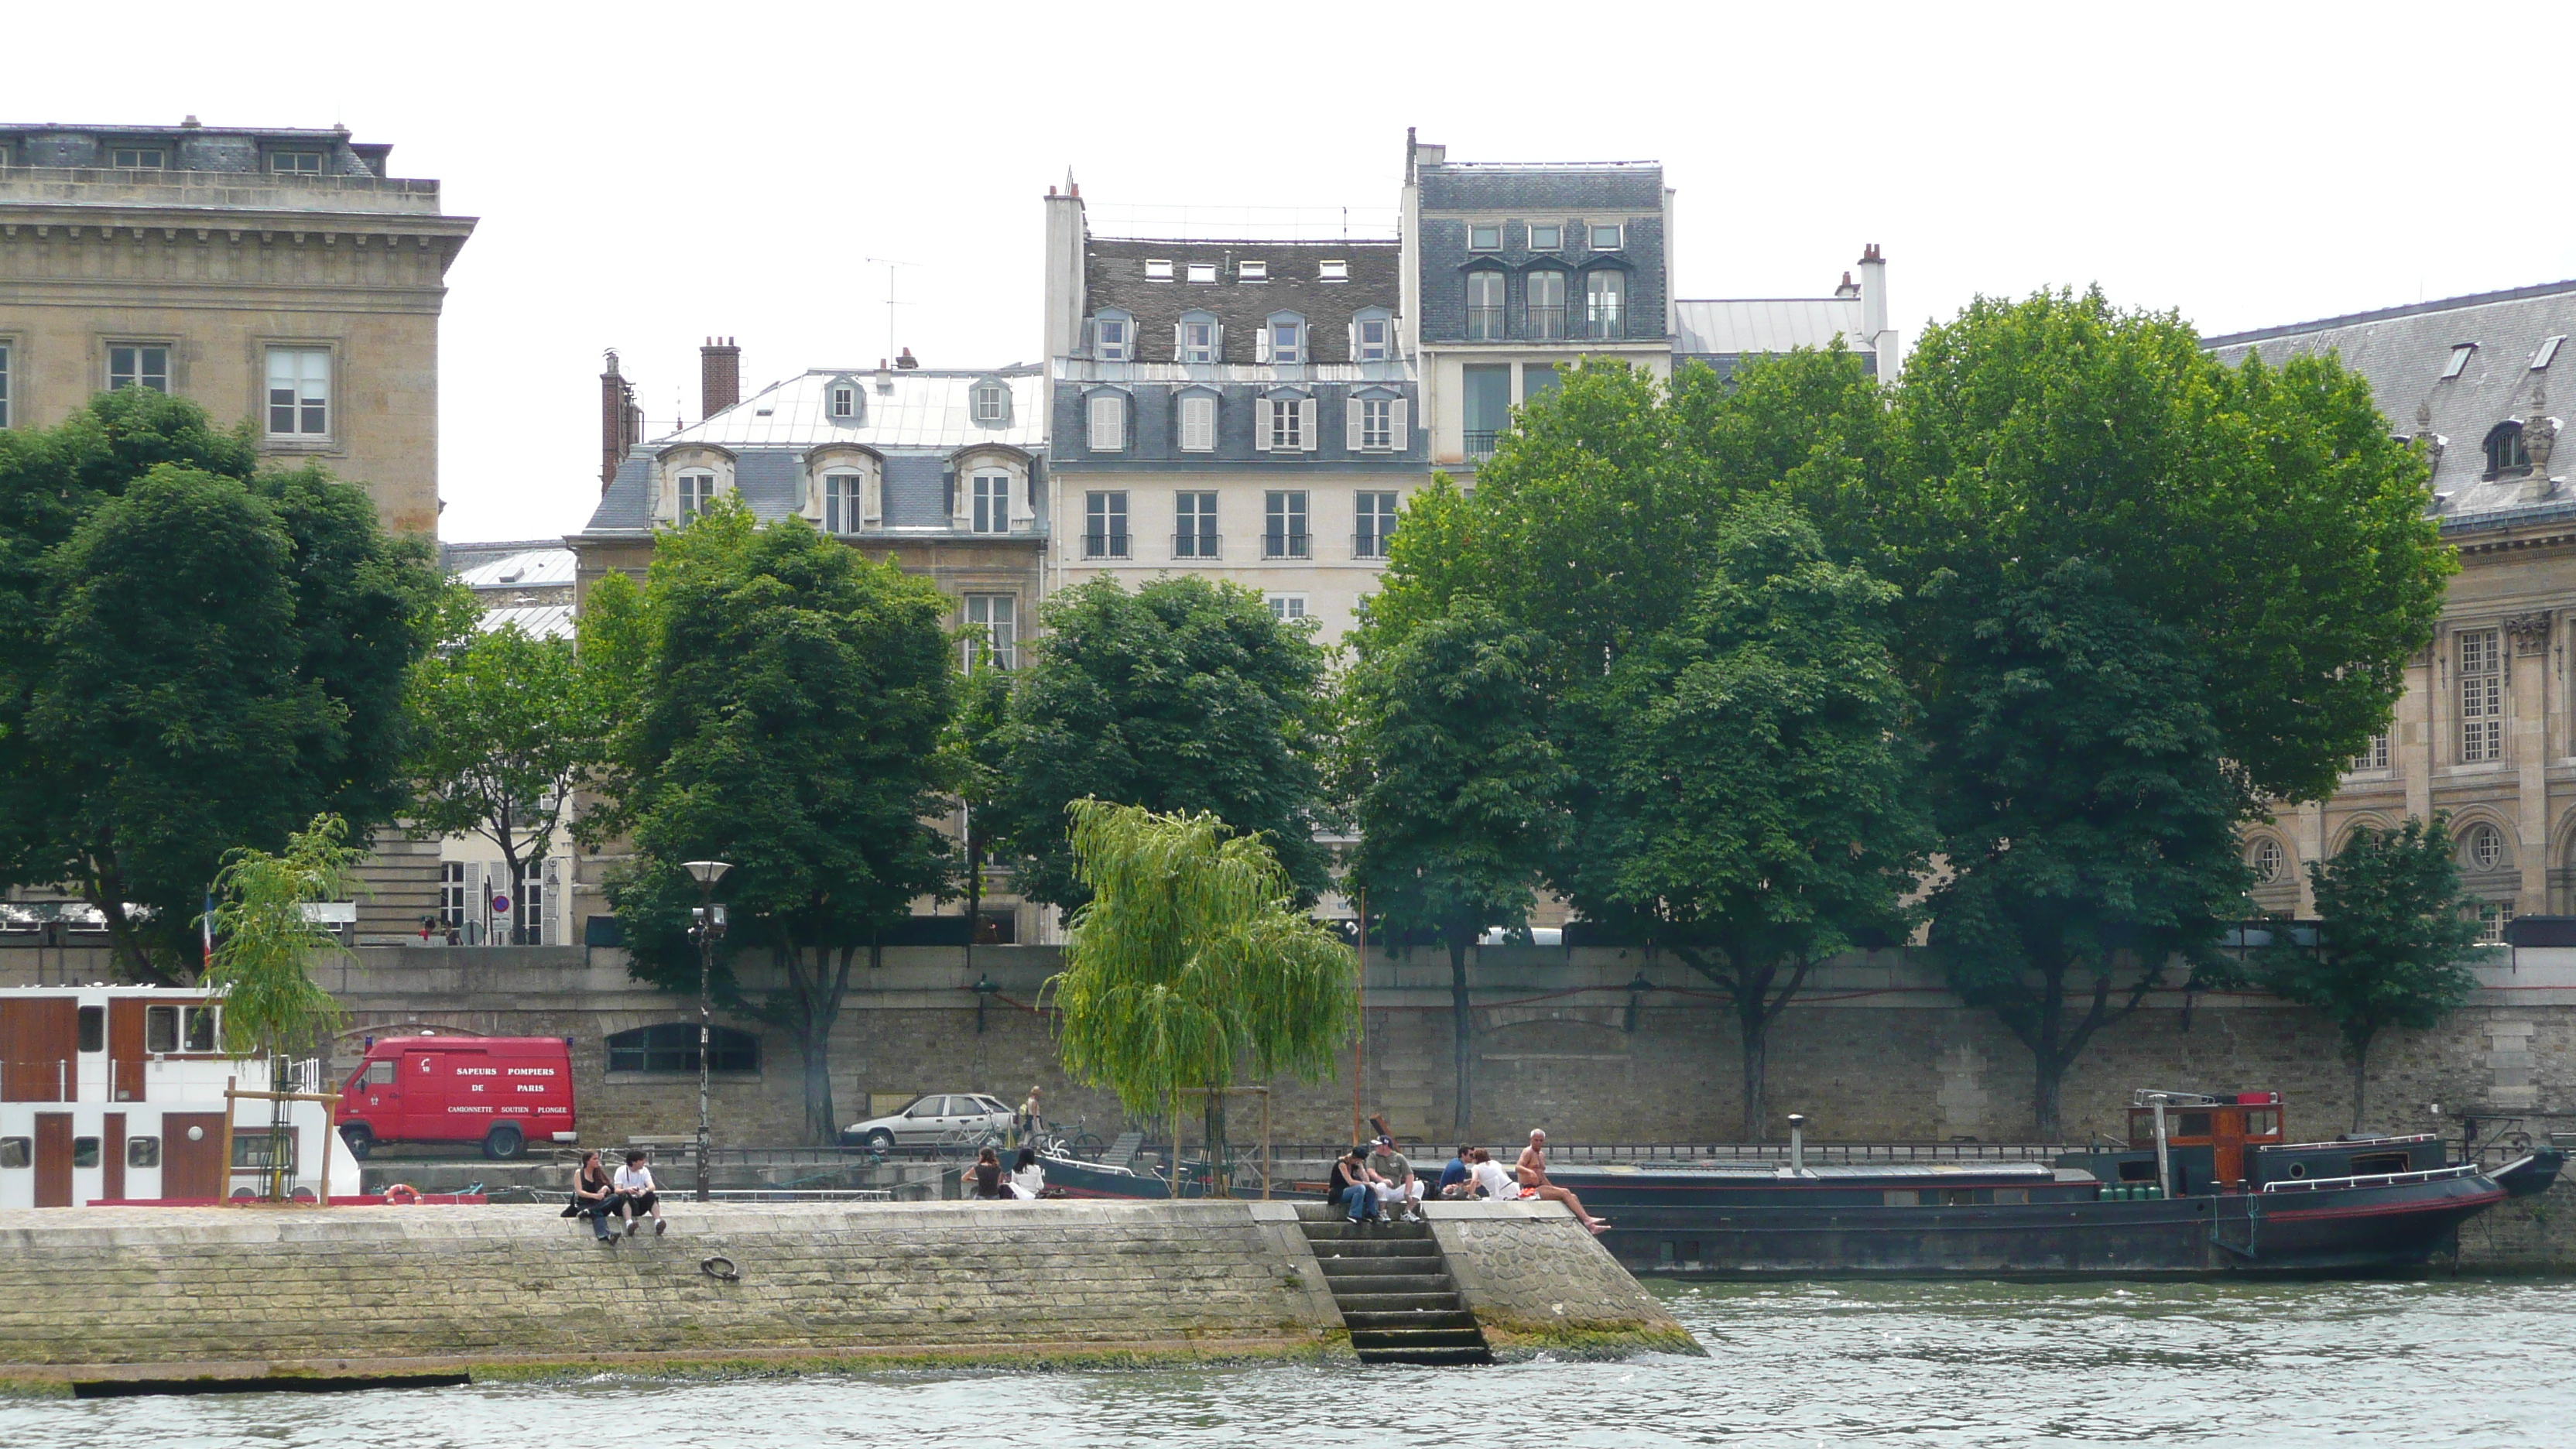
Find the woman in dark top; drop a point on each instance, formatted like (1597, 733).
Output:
(1350, 1186)
(987, 1176)
(596, 1196)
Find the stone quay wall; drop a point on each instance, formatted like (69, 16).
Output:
(247, 1293)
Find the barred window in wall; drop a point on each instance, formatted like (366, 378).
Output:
(992, 503)
(138, 366)
(299, 392)
(2374, 755)
(1104, 525)
(844, 496)
(2481, 695)
(672, 1046)
(992, 636)
(1376, 524)
(1285, 414)
(1198, 423)
(697, 494)
(2493, 917)
(1108, 418)
(451, 894)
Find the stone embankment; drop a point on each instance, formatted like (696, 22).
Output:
(112, 1296)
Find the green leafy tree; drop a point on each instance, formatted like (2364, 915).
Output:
(1184, 696)
(505, 728)
(1456, 789)
(1190, 961)
(2210, 577)
(264, 946)
(1757, 811)
(789, 713)
(193, 657)
(2394, 935)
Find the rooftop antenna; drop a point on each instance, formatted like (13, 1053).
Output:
(890, 264)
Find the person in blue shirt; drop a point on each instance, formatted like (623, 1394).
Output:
(1457, 1179)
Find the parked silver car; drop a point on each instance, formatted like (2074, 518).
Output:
(927, 1121)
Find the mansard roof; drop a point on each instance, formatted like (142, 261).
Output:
(1114, 279)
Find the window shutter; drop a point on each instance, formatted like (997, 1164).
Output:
(872, 497)
(960, 500)
(1306, 423)
(1351, 436)
(1261, 344)
(1180, 341)
(1260, 423)
(1024, 502)
(1399, 428)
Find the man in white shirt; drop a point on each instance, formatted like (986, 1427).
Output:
(635, 1188)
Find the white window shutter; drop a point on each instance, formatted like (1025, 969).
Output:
(1261, 344)
(1180, 341)
(961, 498)
(1306, 423)
(1024, 510)
(1261, 423)
(872, 497)
(1351, 436)
(1399, 428)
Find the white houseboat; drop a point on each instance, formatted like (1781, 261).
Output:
(115, 1094)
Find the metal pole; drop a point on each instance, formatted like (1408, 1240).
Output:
(1359, 1037)
(2164, 1159)
(706, 1017)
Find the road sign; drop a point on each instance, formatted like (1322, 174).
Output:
(500, 905)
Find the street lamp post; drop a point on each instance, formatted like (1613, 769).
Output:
(707, 925)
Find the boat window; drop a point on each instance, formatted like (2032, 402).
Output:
(84, 1152)
(1959, 1196)
(16, 1151)
(2370, 1164)
(201, 1028)
(2262, 1122)
(2298, 1169)
(93, 1028)
(161, 1028)
(2137, 1172)
(2012, 1194)
(1900, 1197)
(2191, 1124)
(143, 1152)
(253, 1149)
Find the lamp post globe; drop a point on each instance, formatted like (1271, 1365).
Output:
(706, 926)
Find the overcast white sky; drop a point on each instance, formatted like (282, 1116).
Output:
(650, 174)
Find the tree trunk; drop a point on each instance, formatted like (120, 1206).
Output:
(1757, 1051)
(816, 1002)
(1461, 1114)
(821, 1125)
(1214, 1121)
(105, 893)
(2359, 1052)
(2047, 1081)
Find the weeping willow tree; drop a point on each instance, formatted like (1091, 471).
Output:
(1190, 962)
(263, 940)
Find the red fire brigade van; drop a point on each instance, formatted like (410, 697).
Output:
(501, 1091)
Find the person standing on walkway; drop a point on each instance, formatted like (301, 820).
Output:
(1028, 1124)
(1533, 1176)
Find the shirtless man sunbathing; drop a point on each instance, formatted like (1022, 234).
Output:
(1533, 1175)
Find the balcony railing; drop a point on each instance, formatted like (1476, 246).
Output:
(1480, 442)
(1604, 326)
(1104, 545)
(1286, 545)
(1547, 322)
(1484, 324)
(1196, 545)
(1369, 545)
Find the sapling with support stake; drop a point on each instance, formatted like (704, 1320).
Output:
(264, 942)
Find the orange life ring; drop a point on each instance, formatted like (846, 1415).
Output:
(402, 1194)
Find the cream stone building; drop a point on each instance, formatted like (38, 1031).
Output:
(282, 277)
(2482, 734)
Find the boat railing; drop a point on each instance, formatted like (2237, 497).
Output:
(1572, 1154)
(2376, 1179)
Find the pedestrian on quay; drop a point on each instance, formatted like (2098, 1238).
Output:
(1028, 1180)
(986, 1179)
(1490, 1178)
(1027, 1124)
(1397, 1187)
(1351, 1188)
(1533, 1176)
(1458, 1179)
(594, 1196)
(637, 1195)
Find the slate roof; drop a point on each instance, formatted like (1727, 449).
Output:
(2403, 351)
(534, 568)
(1114, 278)
(1724, 332)
(1496, 186)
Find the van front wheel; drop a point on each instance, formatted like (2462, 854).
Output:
(360, 1140)
(503, 1143)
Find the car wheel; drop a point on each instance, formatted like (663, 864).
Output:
(880, 1140)
(360, 1140)
(503, 1143)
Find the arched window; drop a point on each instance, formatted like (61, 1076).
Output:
(844, 502)
(1545, 288)
(1485, 305)
(2482, 847)
(2507, 457)
(697, 493)
(672, 1046)
(2270, 862)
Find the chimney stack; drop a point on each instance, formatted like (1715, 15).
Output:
(620, 422)
(885, 376)
(1067, 230)
(1875, 333)
(719, 376)
(1848, 290)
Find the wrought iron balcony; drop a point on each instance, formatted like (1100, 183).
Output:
(1286, 545)
(1196, 545)
(1546, 321)
(1484, 324)
(1480, 442)
(1369, 545)
(1104, 545)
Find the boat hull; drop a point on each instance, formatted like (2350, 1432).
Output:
(1793, 1231)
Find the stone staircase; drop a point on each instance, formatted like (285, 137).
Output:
(1392, 1284)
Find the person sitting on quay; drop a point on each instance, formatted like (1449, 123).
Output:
(1458, 1179)
(1397, 1187)
(594, 1196)
(985, 1179)
(637, 1195)
(1028, 1180)
(1489, 1177)
(1351, 1187)
(1533, 1176)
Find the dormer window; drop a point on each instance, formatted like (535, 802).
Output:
(1283, 339)
(295, 163)
(1605, 238)
(2460, 353)
(1332, 271)
(2507, 456)
(1202, 271)
(1249, 271)
(1546, 238)
(1195, 338)
(138, 158)
(2548, 351)
(697, 494)
(1485, 237)
(845, 401)
(992, 405)
(1372, 336)
(1112, 333)
(1158, 271)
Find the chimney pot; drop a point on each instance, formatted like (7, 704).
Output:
(719, 376)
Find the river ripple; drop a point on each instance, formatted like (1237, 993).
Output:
(2467, 1363)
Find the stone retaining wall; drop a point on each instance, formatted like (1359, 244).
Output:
(174, 1293)
(1534, 1288)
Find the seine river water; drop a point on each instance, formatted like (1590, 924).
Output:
(2455, 1363)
